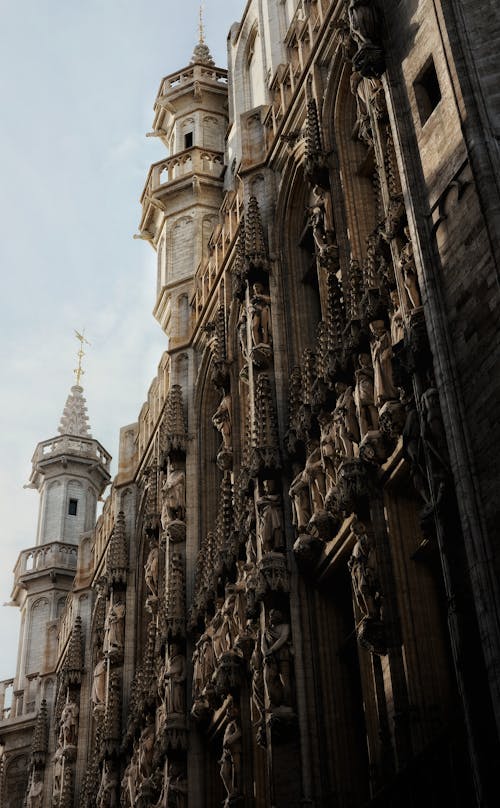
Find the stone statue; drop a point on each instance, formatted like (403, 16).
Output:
(114, 628)
(242, 332)
(366, 410)
(175, 678)
(319, 219)
(175, 787)
(68, 724)
(276, 653)
(130, 781)
(345, 421)
(151, 569)
(315, 475)
(174, 495)
(35, 794)
(98, 695)
(230, 762)
(218, 639)
(328, 447)
(409, 272)
(383, 384)
(433, 423)
(397, 328)
(257, 705)
(207, 660)
(146, 749)
(261, 315)
(58, 772)
(301, 503)
(363, 574)
(413, 451)
(221, 420)
(249, 527)
(270, 519)
(106, 796)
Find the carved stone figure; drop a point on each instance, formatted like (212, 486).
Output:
(58, 772)
(433, 423)
(207, 661)
(329, 449)
(35, 794)
(270, 519)
(315, 475)
(261, 315)
(383, 384)
(114, 628)
(230, 762)
(221, 419)
(151, 570)
(320, 220)
(397, 329)
(249, 527)
(364, 24)
(219, 645)
(106, 796)
(229, 630)
(366, 410)
(256, 667)
(276, 653)
(98, 695)
(345, 422)
(409, 272)
(363, 574)
(175, 788)
(301, 504)
(174, 495)
(242, 332)
(413, 451)
(68, 725)
(146, 749)
(175, 678)
(130, 780)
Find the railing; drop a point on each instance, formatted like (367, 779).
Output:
(54, 554)
(193, 73)
(198, 161)
(66, 444)
(220, 244)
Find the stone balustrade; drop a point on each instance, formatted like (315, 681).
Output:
(196, 72)
(66, 444)
(46, 556)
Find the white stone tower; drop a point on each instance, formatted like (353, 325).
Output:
(70, 472)
(183, 192)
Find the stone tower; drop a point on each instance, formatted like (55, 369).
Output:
(183, 192)
(70, 472)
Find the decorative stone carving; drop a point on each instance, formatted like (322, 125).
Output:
(68, 724)
(175, 679)
(106, 796)
(409, 272)
(98, 696)
(221, 419)
(230, 762)
(175, 599)
(301, 503)
(114, 629)
(277, 662)
(175, 787)
(315, 474)
(381, 348)
(353, 485)
(397, 325)
(151, 570)
(321, 221)
(145, 752)
(273, 575)
(35, 793)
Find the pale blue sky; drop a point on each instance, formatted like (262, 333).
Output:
(78, 79)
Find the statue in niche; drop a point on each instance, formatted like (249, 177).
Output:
(151, 569)
(275, 647)
(207, 658)
(229, 627)
(174, 495)
(300, 498)
(412, 450)
(364, 22)
(433, 422)
(175, 678)
(366, 410)
(361, 565)
(242, 331)
(98, 695)
(240, 601)
(329, 450)
(270, 519)
(58, 772)
(68, 724)
(260, 308)
(218, 640)
(114, 628)
(130, 780)
(345, 421)
(106, 796)
(257, 706)
(221, 420)
(409, 272)
(35, 794)
(146, 749)
(397, 326)
(381, 348)
(320, 218)
(315, 475)
(250, 531)
(230, 762)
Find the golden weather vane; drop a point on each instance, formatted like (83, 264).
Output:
(81, 353)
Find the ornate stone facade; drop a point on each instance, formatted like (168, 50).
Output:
(294, 583)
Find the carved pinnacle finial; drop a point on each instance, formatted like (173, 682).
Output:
(81, 353)
(200, 26)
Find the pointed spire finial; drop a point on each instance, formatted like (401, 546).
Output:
(201, 53)
(81, 353)
(200, 26)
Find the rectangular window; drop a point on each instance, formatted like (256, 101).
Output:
(427, 91)
(73, 507)
(188, 140)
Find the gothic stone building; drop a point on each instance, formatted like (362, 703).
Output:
(291, 597)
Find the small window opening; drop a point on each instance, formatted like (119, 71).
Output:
(188, 140)
(427, 92)
(73, 507)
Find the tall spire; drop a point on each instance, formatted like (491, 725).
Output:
(74, 420)
(201, 52)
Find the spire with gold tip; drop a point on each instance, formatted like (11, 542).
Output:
(74, 420)
(201, 52)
